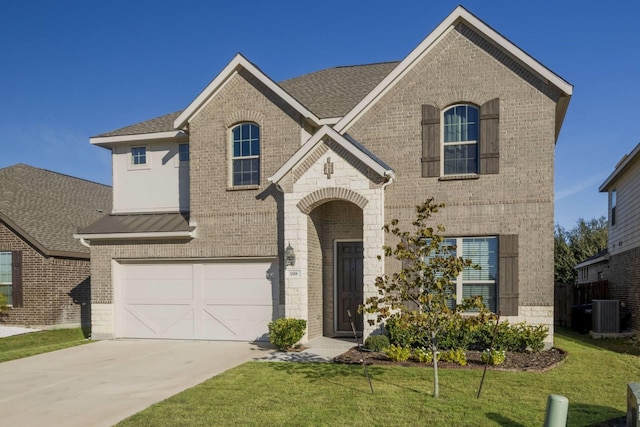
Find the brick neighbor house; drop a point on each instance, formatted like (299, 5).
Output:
(621, 263)
(44, 271)
(265, 199)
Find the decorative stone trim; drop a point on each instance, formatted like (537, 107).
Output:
(315, 199)
(311, 159)
(243, 116)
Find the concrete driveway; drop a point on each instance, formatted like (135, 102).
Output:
(101, 383)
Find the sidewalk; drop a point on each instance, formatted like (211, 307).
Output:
(321, 349)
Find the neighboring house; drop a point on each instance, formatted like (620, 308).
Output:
(594, 268)
(623, 269)
(44, 271)
(265, 199)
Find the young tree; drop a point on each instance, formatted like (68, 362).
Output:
(423, 289)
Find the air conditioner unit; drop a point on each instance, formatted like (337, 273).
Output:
(606, 315)
(633, 395)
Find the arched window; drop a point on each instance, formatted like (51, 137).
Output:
(245, 157)
(460, 140)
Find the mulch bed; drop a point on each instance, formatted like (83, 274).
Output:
(538, 362)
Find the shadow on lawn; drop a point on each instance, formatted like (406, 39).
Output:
(502, 420)
(585, 414)
(618, 345)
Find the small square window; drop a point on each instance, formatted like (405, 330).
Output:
(138, 156)
(183, 152)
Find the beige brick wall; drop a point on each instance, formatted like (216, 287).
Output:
(55, 290)
(518, 200)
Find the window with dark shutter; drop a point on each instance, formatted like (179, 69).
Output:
(16, 277)
(430, 141)
(489, 137)
(508, 292)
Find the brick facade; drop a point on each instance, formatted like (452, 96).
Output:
(623, 276)
(56, 291)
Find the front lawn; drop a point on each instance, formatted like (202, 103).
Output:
(593, 378)
(19, 346)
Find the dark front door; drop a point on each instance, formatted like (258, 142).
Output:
(349, 284)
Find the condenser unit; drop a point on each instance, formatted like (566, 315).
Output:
(606, 315)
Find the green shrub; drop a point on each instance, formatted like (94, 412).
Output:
(376, 342)
(402, 332)
(456, 356)
(519, 337)
(420, 354)
(284, 333)
(531, 337)
(398, 353)
(493, 356)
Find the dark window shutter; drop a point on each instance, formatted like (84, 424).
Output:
(508, 275)
(430, 141)
(16, 278)
(489, 137)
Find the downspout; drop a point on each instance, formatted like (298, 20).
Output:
(391, 177)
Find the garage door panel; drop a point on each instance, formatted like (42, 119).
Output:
(217, 301)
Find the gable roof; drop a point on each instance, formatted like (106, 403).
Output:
(46, 208)
(459, 14)
(601, 256)
(623, 165)
(333, 92)
(351, 145)
(225, 75)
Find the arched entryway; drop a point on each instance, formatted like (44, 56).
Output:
(335, 267)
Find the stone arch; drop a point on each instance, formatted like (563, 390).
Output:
(239, 116)
(318, 197)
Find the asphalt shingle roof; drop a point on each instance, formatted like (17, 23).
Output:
(49, 207)
(327, 93)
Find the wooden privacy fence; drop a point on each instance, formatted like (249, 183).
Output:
(568, 295)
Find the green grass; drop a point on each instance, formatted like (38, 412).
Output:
(593, 378)
(19, 346)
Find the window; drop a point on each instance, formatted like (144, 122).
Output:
(6, 276)
(614, 201)
(482, 251)
(460, 140)
(183, 152)
(138, 156)
(245, 160)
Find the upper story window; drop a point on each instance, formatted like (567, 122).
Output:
(245, 158)
(460, 140)
(183, 152)
(6, 276)
(138, 156)
(614, 202)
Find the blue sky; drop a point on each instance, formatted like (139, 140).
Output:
(73, 69)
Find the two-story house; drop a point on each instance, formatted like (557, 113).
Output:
(264, 199)
(622, 264)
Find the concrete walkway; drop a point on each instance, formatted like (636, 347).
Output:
(101, 383)
(321, 349)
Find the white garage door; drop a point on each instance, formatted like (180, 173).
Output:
(212, 301)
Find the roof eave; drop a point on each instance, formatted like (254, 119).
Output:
(108, 141)
(621, 167)
(151, 235)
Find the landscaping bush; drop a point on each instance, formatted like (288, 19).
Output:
(493, 356)
(402, 332)
(456, 356)
(398, 353)
(422, 355)
(377, 342)
(284, 333)
(519, 337)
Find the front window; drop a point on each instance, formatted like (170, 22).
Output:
(138, 156)
(482, 251)
(460, 140)
(183, 152)
(5, 276)
(613, 207)
(245, 160)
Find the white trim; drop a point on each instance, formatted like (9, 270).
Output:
(620, 167)
(592, 261)
(143, 235)
(147, 158)
(236, 63)
(335, 280)
(459, 14)
(107, 140)
(190, 260)
(330, 121)
(308, 146)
